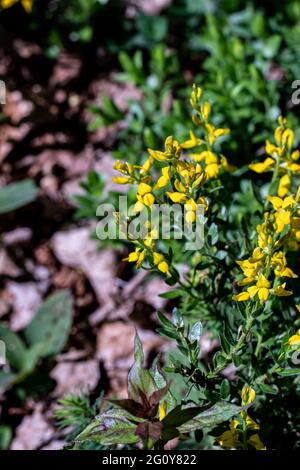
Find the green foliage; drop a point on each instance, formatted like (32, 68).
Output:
(246, 72)
(256, 225)
(246, 56)
(5, 437)
(45, 336)
(148, 120)
(51, 325)
(136, 419)
(88, 202)
(16, 195)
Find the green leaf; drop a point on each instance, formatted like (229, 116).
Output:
(16, 195)
(114, 426)
(173, 294)
(288, 372)
(225, 389)
(177, 417)
(271, 390)
(214, 234)
(138, 351)
(196, 332)
(15, 348)
(7, 379)
(51, 324)
(140, 380)
(166, 323)
(5, 436)
(224, 343)
(32, 356)
(271, 46)
(220, 412)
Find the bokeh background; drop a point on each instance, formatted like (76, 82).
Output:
(89, 81)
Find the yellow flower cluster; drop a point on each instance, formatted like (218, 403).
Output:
(27, 4)
(237, 435)
(266, 258)
(205, 154)
(278, 234)
(282, 159)
(146, 247)
(182, 175)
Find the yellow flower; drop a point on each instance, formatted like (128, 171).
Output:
(249, 267)
(283, 136)
(164, 179)
(281, 292)
(172, 151)
(144, 197)
(271, 149)
(287, 138)
(251, 424)
(177, 197)
(248, 395)
(211, 161)
(284, 185)
(295, 155)
(230, 439)
(279, 263)
(126, 169)
(214, 134)
(192, 142)
(262, 289)
(205, 110)
(282, 216)
(263, 166)
(146, 167)
(294, 340)
(162, 410)
(293, 167)
(264, 235)
(255, 442)
(279, 203)
(195, 96)
(227, 166)
(7, 3)
(121, 179)
(241, 297)
(191, 208)
(136, 256)
(27, 4)
(160, 262)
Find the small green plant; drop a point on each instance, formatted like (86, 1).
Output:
(147, 120)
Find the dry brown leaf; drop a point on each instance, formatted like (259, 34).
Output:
(33, 431)
(25, 299)
(75, 248)
(75, 377)
(7, 266)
